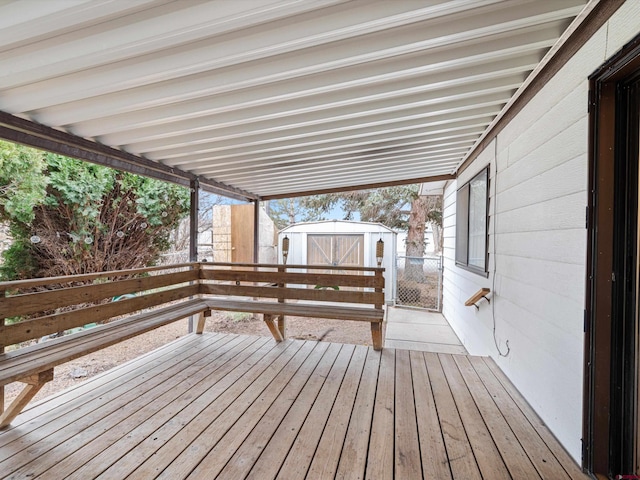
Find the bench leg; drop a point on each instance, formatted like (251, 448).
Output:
(201, 319)
(377, 335)
(33, 385)
(273, 328)
(282, 326)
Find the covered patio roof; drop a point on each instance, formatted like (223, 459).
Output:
(260, 99)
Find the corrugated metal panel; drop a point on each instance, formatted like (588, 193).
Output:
(277, 97)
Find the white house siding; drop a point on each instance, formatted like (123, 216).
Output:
(537, 241)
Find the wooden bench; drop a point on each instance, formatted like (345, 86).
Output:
(171, 294)
(164, 295)
(343, 293)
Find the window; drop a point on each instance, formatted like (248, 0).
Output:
(471, 223)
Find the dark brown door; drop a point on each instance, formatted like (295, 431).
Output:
(636, 326)
(612, 360)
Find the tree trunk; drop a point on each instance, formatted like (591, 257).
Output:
(415, 238)
(437, 238)
(291, 211)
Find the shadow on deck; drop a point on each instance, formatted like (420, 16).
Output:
(228, 406)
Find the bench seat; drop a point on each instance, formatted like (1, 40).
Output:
(34, 364)
(365, 314)
(273, 311)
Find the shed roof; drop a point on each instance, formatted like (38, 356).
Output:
(338, 225)
(272, 98)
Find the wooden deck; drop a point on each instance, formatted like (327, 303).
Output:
(228, 406)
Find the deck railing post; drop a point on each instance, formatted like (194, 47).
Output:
(192, 319)
(282, 322)
(378, 329)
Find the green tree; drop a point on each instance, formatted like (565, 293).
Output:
(389, 206)
(400, 207)
(287, 211)
(69, 217)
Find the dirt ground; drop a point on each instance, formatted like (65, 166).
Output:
(78, 370)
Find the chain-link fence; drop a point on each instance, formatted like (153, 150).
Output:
(419, 282)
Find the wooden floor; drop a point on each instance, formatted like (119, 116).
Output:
(228, 406)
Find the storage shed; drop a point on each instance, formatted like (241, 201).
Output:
(339, 242)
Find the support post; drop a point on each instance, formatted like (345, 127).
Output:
(193, 220)
(2, 322)
(256, 231)
(378, 330)
(193, 230)
(1, 399)
(377, 335)
(282, 322)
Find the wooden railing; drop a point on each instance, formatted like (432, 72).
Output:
(52, 305)
(73, 302)
(337, 292)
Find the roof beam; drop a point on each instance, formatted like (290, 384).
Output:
(369, 186)
(28, 133)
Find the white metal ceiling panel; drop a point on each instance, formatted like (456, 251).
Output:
(277, 97)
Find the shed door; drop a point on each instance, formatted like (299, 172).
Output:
(336, 250)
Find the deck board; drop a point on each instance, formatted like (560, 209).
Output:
(232, 407)
(331, 446)
(352, 456)
(99, 410)
(381, 452)
(433, 453)
(548, 454)
(271, 453)
(512, 453)
(459, 452)
(407, 443)
(214, 421)
(202, 389)
(489, 460)
(287, 412)
(112, 381)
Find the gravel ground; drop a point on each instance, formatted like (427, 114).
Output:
(78, 370)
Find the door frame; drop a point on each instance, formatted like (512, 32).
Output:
(611, 209)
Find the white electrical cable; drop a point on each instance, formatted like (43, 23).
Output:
(493, 281)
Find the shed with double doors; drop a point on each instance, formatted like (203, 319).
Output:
(341, 243)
